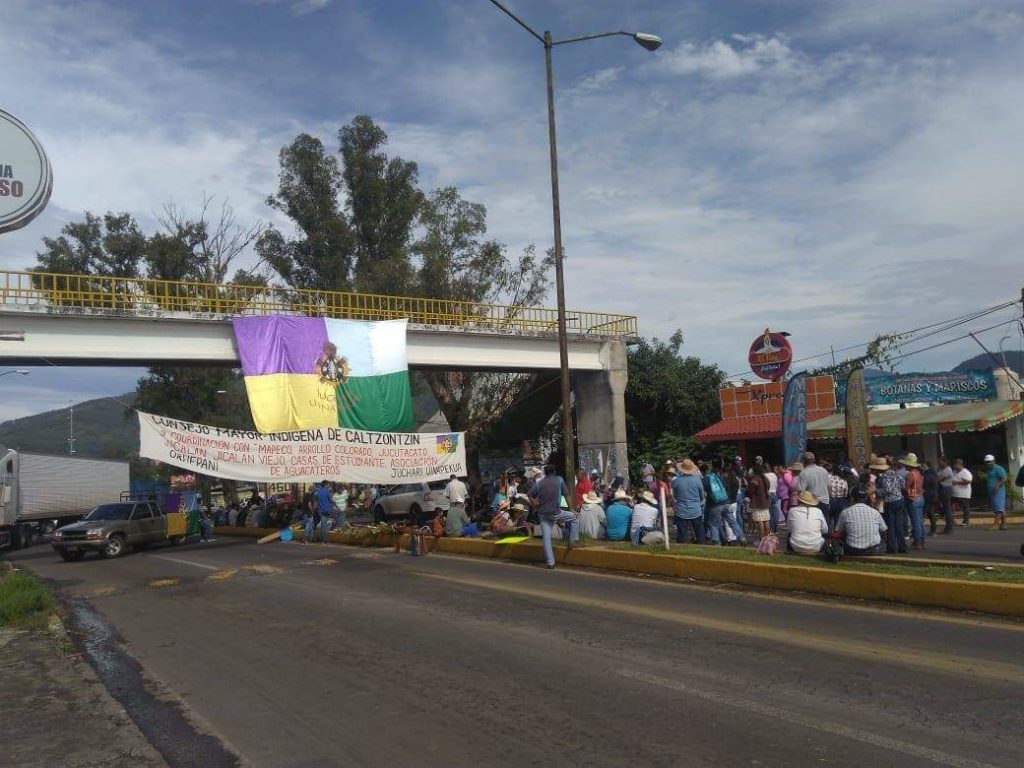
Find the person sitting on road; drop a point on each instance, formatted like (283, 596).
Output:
(457, 522)
(520, 515)
(501, 523)
(807, 525)
(618, 516)
(437, 524)
(592, 516)
(861, 525)
(645, 517)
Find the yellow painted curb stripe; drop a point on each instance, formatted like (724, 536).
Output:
(984, 597)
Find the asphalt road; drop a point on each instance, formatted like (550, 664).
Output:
(317, 656)
(975, 543)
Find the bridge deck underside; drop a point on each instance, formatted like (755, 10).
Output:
(131, 341)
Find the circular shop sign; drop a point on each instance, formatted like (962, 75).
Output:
(26, 178)
(770, 355)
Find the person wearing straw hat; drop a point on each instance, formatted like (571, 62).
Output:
(807, 525)
(913, 494)
(618, 516)
(645, 517)
(689, 495)
(592, 517)
(889, 491)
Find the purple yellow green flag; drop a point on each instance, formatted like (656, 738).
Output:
(305, 372)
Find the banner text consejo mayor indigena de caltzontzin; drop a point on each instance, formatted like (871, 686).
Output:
(309, 455)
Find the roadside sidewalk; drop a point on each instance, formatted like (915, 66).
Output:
(58, 711)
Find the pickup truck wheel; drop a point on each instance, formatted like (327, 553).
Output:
(115, 546)
(378, 514)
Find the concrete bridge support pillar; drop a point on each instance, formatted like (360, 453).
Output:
(601, 414)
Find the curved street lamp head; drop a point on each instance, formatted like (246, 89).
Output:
(647, 40)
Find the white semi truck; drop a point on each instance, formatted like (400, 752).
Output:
(37, 491)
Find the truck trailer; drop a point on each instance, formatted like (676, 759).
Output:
(38, 491)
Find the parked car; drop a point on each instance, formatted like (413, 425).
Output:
(414, 500)
(111, 528)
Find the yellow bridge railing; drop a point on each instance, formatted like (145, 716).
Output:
(90, 294)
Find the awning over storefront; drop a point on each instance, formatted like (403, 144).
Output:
(961, 417)
(748, 428)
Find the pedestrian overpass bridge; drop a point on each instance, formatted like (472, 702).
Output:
(91, 320)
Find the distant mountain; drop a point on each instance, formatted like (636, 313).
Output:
(1014, 361)
(103, 430)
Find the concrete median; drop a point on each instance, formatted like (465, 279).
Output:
(984, 597)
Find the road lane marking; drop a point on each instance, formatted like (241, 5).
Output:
(230, 573)
(101, 592)
(263, 569)
(774, 714)
(162, 583)
(751, 593)
(941, 663)
(186, 562)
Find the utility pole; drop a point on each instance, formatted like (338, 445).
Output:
(71, 431)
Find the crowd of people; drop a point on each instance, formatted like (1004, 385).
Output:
(879, 507)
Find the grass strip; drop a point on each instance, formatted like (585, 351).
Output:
(1007, 575)
(24, 602)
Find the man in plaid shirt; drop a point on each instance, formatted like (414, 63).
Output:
(861, 525)
(838, 490)
(889, 490)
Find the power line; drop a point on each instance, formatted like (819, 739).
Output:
(951, 341)
(947, 324)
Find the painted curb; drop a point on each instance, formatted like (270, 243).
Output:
(983, 597)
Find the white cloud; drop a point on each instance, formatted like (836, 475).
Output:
(298, 7)
(825, 178)
(745, 54)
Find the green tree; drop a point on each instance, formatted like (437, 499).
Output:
(354, 219)
(111, 246)
(455, 261)
(383, 203)
(309, 191)
(669, 398)
(208, 395)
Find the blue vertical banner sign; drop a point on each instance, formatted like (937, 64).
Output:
(794, 418)
(858, 429)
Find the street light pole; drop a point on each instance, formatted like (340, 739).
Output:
(568, 438)
(648, 42)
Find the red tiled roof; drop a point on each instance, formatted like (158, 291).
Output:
(749, 428)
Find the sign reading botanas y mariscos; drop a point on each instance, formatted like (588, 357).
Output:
(306, 455)
(25, 174)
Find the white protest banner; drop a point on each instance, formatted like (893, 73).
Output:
(308, 455)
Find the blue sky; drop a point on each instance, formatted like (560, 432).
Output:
(835, 169)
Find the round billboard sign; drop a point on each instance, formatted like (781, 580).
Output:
(770, 355)
(26, 178)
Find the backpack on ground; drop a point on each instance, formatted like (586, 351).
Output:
(769, 545)
(718, 493)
